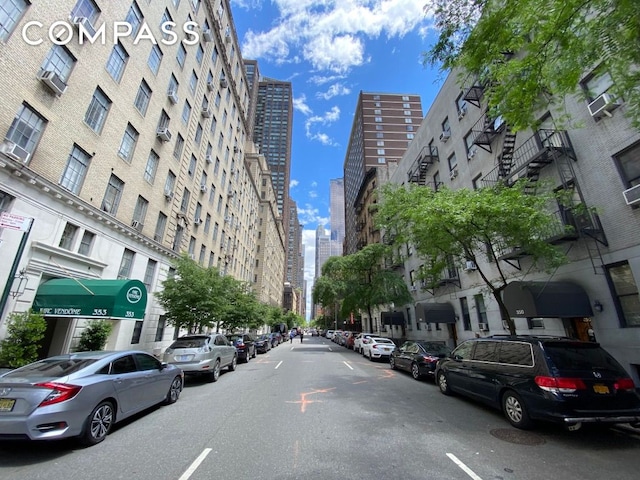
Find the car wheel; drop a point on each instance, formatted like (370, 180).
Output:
(214, 375)
(370, 356)
(392, 363)
(174, 391)
(233, 364)
(443, 383)
(98, 424)
(515, 411)
(415, 371)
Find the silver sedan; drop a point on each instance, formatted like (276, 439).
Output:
(83, 394)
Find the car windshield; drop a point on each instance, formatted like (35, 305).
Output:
(437, 348)
(575, 357)
(382, 340)
(190, 342)
(53, 367)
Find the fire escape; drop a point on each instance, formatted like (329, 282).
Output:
(544, 148)
(427, 156)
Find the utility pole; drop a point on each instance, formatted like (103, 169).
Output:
(23, 224)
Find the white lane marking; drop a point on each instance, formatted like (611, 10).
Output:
(196, 463)
(279, 363)
(348, 365)
(464, 468)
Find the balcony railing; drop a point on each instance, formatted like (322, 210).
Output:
(537, 151)
(485, 130)
(426, 157)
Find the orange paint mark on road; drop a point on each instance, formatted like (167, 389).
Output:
(304, 401)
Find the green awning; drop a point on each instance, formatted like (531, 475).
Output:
(67, 297)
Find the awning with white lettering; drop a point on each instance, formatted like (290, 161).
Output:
(546, 300)
(69, 297)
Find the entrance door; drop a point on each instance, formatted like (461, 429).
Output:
(579, 327)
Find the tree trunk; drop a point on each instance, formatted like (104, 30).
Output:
(504, 313)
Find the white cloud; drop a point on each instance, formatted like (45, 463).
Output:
(311, 125)
(313, 194)
(331, 35)
(321, 80)
(337, 89)
(300, 104)
(293, 184)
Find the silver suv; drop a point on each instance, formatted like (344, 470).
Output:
(202, 355)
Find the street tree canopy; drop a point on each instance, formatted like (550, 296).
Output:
(447, 228)
(530, 54)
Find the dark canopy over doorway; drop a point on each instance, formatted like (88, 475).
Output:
(431, 312)
(546, 299)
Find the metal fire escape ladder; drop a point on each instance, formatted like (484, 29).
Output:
(505, 162)
(587, 223)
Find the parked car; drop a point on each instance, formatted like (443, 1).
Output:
(83, 394)
(202, 354)
(276, 339)
(245, 345)
(361, 339)
(350, 339)
(419, 357)
(314, 332)
(263, 343)
(534, 378)
(329, 334)
(378, 347)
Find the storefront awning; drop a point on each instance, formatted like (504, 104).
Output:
(67, 297)
(392, 318)
(546, 299)
(430, 312)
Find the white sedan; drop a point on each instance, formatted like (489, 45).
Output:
(378, 347)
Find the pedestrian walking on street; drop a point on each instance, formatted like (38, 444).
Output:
(291, 336)
(301, 335)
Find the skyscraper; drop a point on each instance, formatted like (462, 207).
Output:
(336, 203)
(383, 126)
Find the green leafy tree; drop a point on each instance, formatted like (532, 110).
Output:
(195, 297)
(94, 336)
(360, 282)
(454, 226)
(530, 54)
(25, 331)
(241, 308)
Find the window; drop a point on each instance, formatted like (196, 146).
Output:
(446, 128)
(164, 120)
(10, 14)
(162, 322)
(203, 251)
(199, 54)
(625, 288)
(26, 128)
(128, 144)
(534, 323)
(378, 119)
(192, 165)
(126, 264)
(181, 55)
(97, 111)
(68, 236)
(198, 138)
(177, 149)
(461, 106)
(597, 85)
(516, 353)
(152, 167)
(193, 83)
(59, 60)
(87, 9)
(472, 148)
(214, 55)
(137, 332)
(192, 246)
(117, 61)
(466, 318)
(86, 243)
(112, 195)
(216, 227)
(149, 274)
(170, 182)
(75, 170)
(134, 18)
(164, 24)
(140, 211)
(155, 57)
(629, 164)
(161, 224)
(207, 223)
(453, 162)
(186, 112)
(486, 352)
(142, 97)
(481, 309)
(184, 205)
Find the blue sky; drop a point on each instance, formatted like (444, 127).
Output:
(331, 50)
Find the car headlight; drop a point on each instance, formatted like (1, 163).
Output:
(168, 351)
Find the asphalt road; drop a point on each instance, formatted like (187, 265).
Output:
(318, 411)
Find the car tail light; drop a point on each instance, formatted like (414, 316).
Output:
(559, 384)
(624, 384)
(61, 392)
(430, 358)
(240, 345)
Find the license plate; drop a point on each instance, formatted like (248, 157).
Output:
(6, 404)
(601, 389)
(183, 358)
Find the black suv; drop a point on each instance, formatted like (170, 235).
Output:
(245, 345)
(542, 378)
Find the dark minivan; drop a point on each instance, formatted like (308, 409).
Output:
(542, 378)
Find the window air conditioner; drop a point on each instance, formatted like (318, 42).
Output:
(224, 83)
(471, 154)
(136, 224)
(168, 194)
(632, 195)
(15, 151)
(208, 158)
(203, 188)
(197, 221)
(602, 105)
(413, 288)
(444, 136)
(173, 96)
(470, 265)
(453, 174)
(227, 37)
(207, 35)
(84, 24)
(164, 134)
(462, 112)
(206, 112)
(53, 81)
(484, 327)
(236, 149)
(210, 86)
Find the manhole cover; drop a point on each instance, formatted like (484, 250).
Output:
(518, 437)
